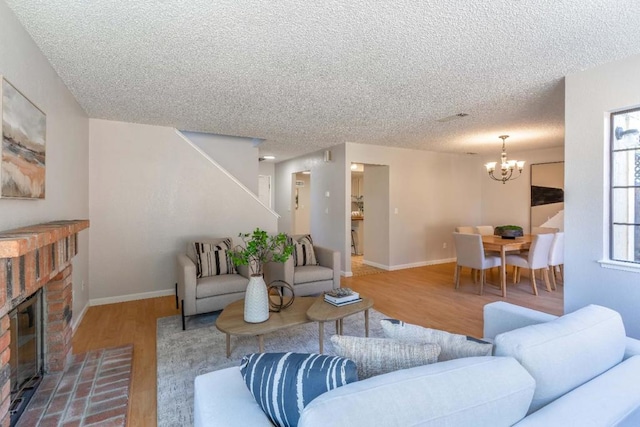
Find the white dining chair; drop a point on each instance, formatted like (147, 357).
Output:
(485, 230)
(465, 230)
(556, 257)
(537, 258)
(470, 253)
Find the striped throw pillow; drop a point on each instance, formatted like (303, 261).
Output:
(213, 259)
(284, 383)
(303, 253)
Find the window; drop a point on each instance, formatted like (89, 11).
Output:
(625, 186)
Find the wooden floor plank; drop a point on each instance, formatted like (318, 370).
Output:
(423, 296)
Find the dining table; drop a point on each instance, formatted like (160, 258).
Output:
(502, 245)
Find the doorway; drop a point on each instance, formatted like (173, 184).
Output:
(369, 232)
(301, 203)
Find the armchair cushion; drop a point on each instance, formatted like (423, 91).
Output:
(311, 273)
(220, 285)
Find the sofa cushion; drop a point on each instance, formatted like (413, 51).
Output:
(452, 346)
(565, 353)
(312, 273)
(611, 399)
(376, 356)
(210, 245)
(474, 391)
(219, 397)
(219, 285)
(284, 383)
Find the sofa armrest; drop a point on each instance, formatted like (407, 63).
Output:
(329, 258)
(502, 317)
(632, 348)
(187, 284)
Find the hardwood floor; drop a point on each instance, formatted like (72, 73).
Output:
(424, 296)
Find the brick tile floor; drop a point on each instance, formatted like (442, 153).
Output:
(93, 391)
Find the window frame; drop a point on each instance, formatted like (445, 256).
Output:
(611, 261)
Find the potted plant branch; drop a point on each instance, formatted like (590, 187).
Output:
(259, 248)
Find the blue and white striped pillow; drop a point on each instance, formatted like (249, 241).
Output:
(284, 383)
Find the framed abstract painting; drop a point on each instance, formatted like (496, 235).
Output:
(22, 171)
(547, 195)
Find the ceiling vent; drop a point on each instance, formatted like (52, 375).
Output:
(454, 117)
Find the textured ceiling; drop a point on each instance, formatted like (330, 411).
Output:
(309, 74)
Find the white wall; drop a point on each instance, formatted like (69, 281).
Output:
(510, 203)
(302, 223)
(590, 96)
(328, 214)
(375, 241)
(268, 168)
(67, 145)
(151, 192)
(433, 193)
(237, 155)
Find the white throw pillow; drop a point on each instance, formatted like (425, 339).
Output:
(376, 356)
(453, 346)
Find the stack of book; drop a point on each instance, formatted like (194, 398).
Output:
(342, 296)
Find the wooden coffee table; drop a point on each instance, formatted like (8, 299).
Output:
(322, 312)
(231, 320)
(303, 310)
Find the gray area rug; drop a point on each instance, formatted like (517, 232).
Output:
(183, 355)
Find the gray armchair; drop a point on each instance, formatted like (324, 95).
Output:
(206, 294)
(308, 279)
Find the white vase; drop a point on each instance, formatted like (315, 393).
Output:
(256, 301)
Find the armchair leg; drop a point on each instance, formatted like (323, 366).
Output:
(183, 320)
(177, 305)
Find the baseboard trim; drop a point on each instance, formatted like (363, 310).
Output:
(76, 320)
(411, 265)
(346, 273)
(132, 297)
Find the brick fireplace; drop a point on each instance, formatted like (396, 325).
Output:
(33, 258)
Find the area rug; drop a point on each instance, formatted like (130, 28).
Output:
(183, 355)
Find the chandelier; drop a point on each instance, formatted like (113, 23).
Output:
(506, 166)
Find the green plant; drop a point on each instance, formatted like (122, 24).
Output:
(260, 248)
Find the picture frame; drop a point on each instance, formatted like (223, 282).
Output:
(23, 149)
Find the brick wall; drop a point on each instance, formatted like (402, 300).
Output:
(31, 258)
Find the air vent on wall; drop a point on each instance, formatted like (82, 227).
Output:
(454, 117)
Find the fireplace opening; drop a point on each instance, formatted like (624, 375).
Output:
(26, 355)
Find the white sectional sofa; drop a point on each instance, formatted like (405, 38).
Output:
(579, 369)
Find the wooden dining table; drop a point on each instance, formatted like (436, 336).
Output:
(498, 244)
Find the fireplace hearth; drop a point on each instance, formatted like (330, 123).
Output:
(34, 260)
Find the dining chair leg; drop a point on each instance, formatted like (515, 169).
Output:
(553, 277)
(532, 276)
(458, 272)
(515, 275)
(561, 267)
(482, 280)
(545, 273)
